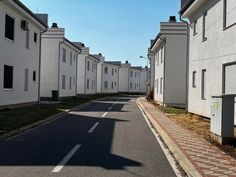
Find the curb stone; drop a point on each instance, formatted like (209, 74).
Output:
(188, 167)
(46, 120)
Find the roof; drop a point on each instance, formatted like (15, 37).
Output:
(117, 63)
(79, 44)
(97, 56)
(71, 43)
(155, 40)
(137, 67)
(94, 57)
(185, 5)
(29, 12)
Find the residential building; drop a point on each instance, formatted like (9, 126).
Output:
(87, 71)
(58, 64)
(151, 57)
(129, 78)
(20, 32)
(110, 77)
(145, 78)
(170, 48)
(212, 56)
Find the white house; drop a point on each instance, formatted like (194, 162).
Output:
(212, 56)
(20, 32)
(58, 64)
(110, 77)
(145, 78)
(129, 78)
(87, 71)
(169, 49)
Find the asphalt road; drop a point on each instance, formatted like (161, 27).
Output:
(108, 138)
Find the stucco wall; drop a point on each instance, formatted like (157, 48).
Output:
(110, 78)
(17, 55)
(218, 49)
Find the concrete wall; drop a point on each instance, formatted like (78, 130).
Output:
(14, 53)
(171, 64)
(143, 78)
(134, 80)
(110, 78)
(53, 67)
(91, 75)
(218, 49)
(69, 70)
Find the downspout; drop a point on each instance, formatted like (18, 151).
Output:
(40, 55)
(85, 76)
(187, 63)
(164, 72)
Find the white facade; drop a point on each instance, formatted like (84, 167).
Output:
(144, 77)
(110, 77)
(212, 65)
(87, 73)
(134, 79)
(19, 54)
(169, 48)
(129, 78)
(58, 64)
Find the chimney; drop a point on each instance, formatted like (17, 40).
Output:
(54, 25)
(172, 19)
(100, 54)
(126, 62)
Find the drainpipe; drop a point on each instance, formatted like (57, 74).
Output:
(59, 67)
(39, 73)
(187, 63)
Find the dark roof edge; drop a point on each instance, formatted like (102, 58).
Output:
(110, 63)
(71, 43)
(155, 40)
(29, 12)
(94, 57)
(186, 7)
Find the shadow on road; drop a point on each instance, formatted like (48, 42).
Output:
(49, 144)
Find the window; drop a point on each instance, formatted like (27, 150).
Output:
(63, 82)
(112, 85)
(157, 57)
(157, 82)
(92, 84)
(26, 79)
(115, 84)
(70, 83)
(34, 76)
(131, 73)
(87, 83)
(204, 38)
(8, 77)
(131, 85)
(195, 27)
(112, 71)
(106, 84)
(229, 15)
(135, 86)
(162, 54)
(35, 37)
(27, 39)
(135, 74)
(9, 27)
(70, 58)
(161, 86)
(88, 65)
(74, 80)
(106, 70)
(194, 79)
(64, 55)
(74, 57)
(203, 84)
(115, 70)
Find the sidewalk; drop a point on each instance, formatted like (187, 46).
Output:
(196, 156)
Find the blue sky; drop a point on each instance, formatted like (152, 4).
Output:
(119, 29)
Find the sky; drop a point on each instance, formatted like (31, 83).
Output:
(119, 29)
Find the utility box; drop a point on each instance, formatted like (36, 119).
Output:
(222, 118)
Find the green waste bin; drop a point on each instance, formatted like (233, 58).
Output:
(55, 95)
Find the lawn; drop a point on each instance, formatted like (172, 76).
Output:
(11, 119)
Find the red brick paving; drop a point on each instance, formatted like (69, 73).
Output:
(206, 158)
